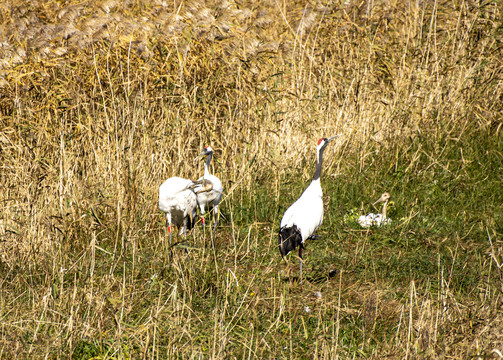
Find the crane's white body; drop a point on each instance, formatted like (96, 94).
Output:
(179, 202)
(307, 212)
(208, 199)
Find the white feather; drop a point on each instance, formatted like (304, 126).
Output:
(209, 199)
(178, 201)
(372, 219)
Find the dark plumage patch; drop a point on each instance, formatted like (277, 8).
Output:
(289, 239)
(190, 222)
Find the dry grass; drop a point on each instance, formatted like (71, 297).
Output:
(100, 101)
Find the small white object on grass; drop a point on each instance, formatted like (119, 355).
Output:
(372, 219)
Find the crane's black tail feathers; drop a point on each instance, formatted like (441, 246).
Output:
(190, 221)
(289, 239)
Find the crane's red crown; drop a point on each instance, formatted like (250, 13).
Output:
(319, 141)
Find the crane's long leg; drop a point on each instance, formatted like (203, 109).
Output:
(300, 261)
(186, 241)
(215, 215)
(170, 228)
(201, 207)
(184, 229)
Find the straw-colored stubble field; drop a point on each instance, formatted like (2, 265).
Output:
(101, 101)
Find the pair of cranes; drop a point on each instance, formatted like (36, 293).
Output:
(179, 198)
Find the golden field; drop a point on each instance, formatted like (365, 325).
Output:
(101, 101)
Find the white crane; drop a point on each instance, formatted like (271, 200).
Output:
(179, 202)
(209, 190)
(304, 216)
(371, 219)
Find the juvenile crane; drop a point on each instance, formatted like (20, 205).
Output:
(304, 216)
(179, 202)
(370, 219)
(209, 190)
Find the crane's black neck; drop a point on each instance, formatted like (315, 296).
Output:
(317, 172)
(207, 165)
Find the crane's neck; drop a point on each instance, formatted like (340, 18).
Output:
(319, 161)
(207, 165)
(384, 209)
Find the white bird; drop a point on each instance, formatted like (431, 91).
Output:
(209, 190)
(179, 202)
(304, 216)
(372, 219)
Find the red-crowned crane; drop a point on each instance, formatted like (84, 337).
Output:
(304, 216)
(179, 202)
(371, 219)
(209, 190)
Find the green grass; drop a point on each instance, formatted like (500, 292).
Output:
(431, 261)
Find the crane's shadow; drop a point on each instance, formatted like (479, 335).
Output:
(314, 275)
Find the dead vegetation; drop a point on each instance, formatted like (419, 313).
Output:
(100, 101)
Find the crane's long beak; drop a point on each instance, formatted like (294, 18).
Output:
(333, 137)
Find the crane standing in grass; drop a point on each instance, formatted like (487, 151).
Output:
(179, 202)
(304, 216)
(209, 191)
